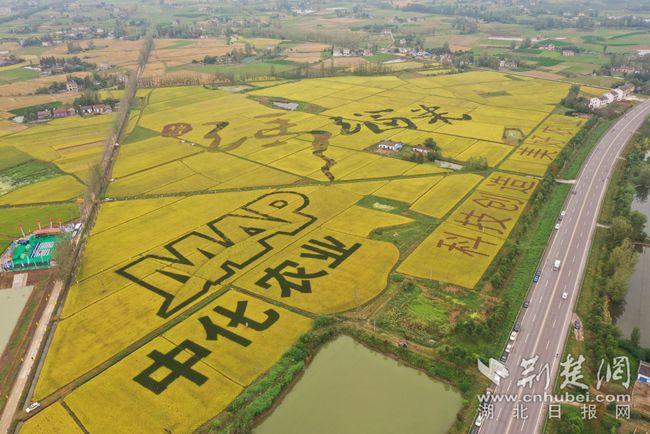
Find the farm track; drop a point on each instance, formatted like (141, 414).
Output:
(281, 186)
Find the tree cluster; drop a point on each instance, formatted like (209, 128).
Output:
(66, 64)
(177, 31)
(575, 101)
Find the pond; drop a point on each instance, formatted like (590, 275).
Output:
(349, 389)
(12, 302)
(286, 105)
(637, 299)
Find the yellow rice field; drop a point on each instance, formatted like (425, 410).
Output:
(231, 205)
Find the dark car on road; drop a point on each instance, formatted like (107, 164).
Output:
(537, 274)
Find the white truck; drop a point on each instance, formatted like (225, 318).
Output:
(556, 265)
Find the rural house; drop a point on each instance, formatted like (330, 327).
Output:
(626, 70)
(421, 54)
(387, 145)
(100, 109)
(63, 112)
(643, 373)
(72, 86)
(616, 94)
(627, 89)
(594, 103)
(341, 52)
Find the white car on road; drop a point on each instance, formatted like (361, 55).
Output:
(564, 296)
(33, 406)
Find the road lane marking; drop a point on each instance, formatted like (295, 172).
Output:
(553, 326)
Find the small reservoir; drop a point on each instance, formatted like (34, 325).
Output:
(12, 302)
(350, 389)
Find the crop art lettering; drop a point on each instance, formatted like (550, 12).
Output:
(170, 362)
(201, 259)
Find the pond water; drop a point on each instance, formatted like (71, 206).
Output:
(637, 300)
(286, 105)
(448, 165)
(349, 389)
(12, 302)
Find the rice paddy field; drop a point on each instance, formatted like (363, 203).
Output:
(233, 223)
(63, 149)
(44, 169)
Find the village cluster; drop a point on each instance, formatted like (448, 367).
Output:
(616, 94)
(64, 112)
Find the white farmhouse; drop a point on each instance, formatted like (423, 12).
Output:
(594, 103)
(618, 94)
(608, 97)
(627, 89)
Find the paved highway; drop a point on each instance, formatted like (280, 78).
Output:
(545, 323)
